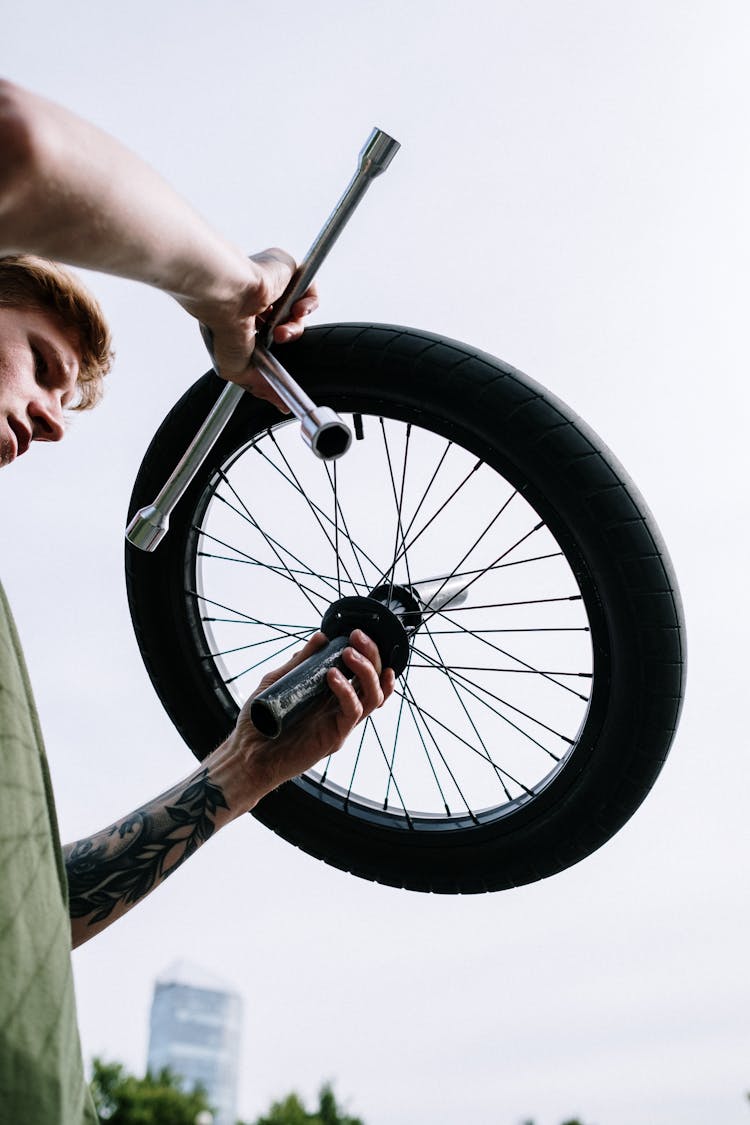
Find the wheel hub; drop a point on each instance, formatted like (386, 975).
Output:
(391, 614)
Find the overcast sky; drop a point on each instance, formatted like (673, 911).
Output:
(572, 196)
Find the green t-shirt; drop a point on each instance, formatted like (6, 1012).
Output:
(41, 1071)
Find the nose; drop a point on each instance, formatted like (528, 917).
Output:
(46, 416)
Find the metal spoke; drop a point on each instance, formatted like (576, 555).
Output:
(309, 504)
(424, 713)
(294, 483)
(265, 660)
(269, 539)
(517, 671)
(430, 483)
(336, 527)
(356, 550)
(466, 713)
(367, 723)
(254, 644)
(250, 560)
(245, 618)
(408, 546)
(499, 699)
(504, 652)
(504, 554)
(251, 519)
(504, 565)
(398, 501)
(541, 629)
(474, 545)
(431, 764)
(506, 605)
(281, 571)
(390, 773)
(396, 732)
(240, 621)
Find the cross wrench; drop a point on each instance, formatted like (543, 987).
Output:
(322, 429)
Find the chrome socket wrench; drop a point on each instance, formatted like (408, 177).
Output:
(322, 429)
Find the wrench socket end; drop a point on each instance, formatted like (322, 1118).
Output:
(379, 150)
(147, 528)
(325, 433)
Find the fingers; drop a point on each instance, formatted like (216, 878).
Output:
(371, 686)
(230, 330)
(293, 328)
(363, 646)
(316, 641)
(305, 304)
(351, 708)
(354, 699)
(277, 268)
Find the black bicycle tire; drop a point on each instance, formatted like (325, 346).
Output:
(607, 531)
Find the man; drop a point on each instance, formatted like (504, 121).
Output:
(69, 192)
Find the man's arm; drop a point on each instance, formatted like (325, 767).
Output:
(70, 192)
(112, 870)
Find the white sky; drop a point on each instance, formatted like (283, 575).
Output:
(572, 195)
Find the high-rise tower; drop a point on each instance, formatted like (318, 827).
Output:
(195, 1031)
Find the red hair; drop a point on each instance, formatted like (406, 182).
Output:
(27, 281)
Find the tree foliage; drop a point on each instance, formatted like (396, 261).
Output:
(291, 1111)
(158, 1099)
(570, 1121)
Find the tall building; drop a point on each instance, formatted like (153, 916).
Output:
(195, 1031)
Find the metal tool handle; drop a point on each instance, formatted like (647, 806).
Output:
(376, 154)
(149, 525)
(322, 429)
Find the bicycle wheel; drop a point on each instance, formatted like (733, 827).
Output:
(538, 705)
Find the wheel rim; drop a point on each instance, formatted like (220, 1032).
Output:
(497, 694)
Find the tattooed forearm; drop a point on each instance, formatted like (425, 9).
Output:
(111, 871)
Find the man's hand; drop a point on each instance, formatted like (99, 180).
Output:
(112, 870)
(233, 328)
(267, 763)
(277, 268)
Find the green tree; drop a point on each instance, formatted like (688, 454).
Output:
(570, 1121)
(158, 1099)
(291, 1111)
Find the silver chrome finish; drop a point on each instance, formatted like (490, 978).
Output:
(322, 429)
(147, 529)
(149, 526)
(436, 593)
(377, 153)
(325, 433)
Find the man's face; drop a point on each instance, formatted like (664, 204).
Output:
(38, 372)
